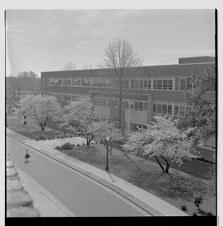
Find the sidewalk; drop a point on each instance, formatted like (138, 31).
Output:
(150, 203)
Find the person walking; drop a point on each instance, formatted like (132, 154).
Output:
(27, 156)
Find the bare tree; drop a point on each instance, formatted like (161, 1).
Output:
(69, 66)
(14, 87)
(120, 56)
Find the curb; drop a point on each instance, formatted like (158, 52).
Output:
(168, 209)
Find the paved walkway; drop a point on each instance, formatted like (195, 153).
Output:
(147, 201)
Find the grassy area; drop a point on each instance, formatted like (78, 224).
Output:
(31, 130)
(178, 188)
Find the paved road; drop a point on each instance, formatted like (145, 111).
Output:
(82, 195)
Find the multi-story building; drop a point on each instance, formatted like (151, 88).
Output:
(146, 90)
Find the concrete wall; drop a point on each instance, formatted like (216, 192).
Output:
(19, 202)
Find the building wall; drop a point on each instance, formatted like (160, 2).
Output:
(79, 81)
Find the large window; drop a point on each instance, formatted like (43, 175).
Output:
(154, 84)
(132, 84)
(139, 106)
(127, 84)
(164, 109)
(183, 83)
(55, 82)
(136, 84)
(76, 82)
(67, 81)
(66, 98)
(140, 84)
(163, 84)
(136, 127)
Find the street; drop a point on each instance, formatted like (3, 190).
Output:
(82, 195)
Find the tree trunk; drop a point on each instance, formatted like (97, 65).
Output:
(120, 102)
(167, 164)
(42, 126)
(161, 166)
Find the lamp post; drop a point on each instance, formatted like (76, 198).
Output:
(107, 143)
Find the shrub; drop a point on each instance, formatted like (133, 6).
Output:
(198, 200)
(59, 148)
(42, 137)
(67, 146)
(183, 208)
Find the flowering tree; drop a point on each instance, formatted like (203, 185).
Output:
(163, 141)
(79, 116)
(102, 129)
(202, 99)
(40, 108)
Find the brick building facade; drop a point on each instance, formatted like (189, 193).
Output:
(146, 90)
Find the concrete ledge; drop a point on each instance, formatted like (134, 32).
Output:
(18, 198)
(14, 185)
(19, 202)
(11, 172)
(9, 164)
(145, 200)
(23, 212)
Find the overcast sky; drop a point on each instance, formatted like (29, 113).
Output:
(45, 40)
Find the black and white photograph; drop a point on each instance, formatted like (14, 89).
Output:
(111, 113)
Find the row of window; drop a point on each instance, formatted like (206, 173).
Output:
(126, 104)
(66, 97)
(136, 127)
(155, 84)
(168, 109)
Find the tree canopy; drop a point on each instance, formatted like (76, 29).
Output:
(40, 108)
(163, 141)
(203, 102)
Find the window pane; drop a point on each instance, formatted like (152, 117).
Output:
(149, 84)
(140, 84)
(182, 84)
(154, 108)
(145, 84)
(132, 84)
(140, 106)
(189, 84)
(127, 84)
(165, 84)
(154, 84)
(159, 86)
(136, 84)
(170, 85)
(164, 109)
(126, 104)
(145, 106)
(176, 110)
(169, 109)
(176, 83)
(158, 108)
(136, 105)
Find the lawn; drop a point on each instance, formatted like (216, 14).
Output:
(178, 188)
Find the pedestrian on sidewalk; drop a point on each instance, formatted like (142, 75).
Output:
(27, 156)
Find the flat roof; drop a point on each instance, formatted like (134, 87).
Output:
(185, 69)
